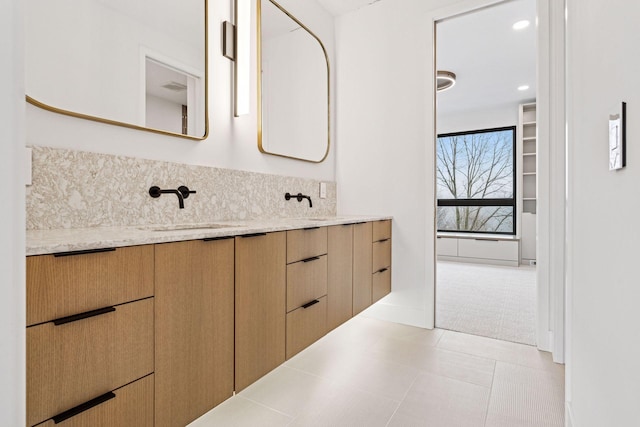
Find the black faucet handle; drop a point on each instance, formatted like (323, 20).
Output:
(154, 191)
(184, 190)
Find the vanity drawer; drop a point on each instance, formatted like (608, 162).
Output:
(131, 405)
(306, 243)
(306, 280)
(381, 284)
(59, 286)
(305, 326)
(381, 230)
(381, 255)
(71, 363)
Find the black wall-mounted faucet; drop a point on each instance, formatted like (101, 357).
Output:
(299, 197)
(182, 192)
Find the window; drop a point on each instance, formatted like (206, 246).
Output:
(476, 181)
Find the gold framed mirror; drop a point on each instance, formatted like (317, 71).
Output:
(139, 64)
(293, 87)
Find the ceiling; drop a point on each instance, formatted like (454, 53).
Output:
(490, 59)
(340, 7)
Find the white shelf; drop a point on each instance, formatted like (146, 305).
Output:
(527, 169)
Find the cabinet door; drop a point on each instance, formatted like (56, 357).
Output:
(60, 286)
(362, 266)
(131, 405)
(74, 361)
(194, 328)
(260, 306)
(340, 275)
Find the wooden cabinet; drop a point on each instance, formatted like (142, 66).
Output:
(131, 405)
(306, 288)
(160, 334)
(73, 359)
(194, 355)
(305, 325)
(260, 307)
(69, 283)
(362, 266)
(381, 253)
(339, 275)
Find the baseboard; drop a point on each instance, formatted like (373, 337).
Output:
(568, 415)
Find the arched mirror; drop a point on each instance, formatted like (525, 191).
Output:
(140, 64)
(293, 87)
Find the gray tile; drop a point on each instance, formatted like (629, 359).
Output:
(348, 407)
(435, 400)
(526, 397)
(461, 366)
(240, 412)
(289, 391)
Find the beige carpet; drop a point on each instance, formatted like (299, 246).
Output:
(491, 301)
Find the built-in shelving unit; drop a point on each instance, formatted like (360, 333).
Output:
(527, 181)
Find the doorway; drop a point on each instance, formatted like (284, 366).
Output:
(486, 172)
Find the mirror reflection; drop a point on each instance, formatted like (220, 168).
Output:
(140, 64)
(293, 87)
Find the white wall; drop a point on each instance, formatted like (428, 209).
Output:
(163, 114)
(478, 119)
(232, 142)
(12, 250)
(604, 343)
(385, 140)
(59, 35)
(294, 90)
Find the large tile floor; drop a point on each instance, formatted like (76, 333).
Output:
(374, 373)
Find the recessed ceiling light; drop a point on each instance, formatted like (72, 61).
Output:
(521, 25)
(523, 88)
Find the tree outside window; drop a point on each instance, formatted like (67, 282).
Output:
(476, 181)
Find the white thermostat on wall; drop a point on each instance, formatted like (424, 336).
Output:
(617, 139)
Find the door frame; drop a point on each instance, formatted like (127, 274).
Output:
(550, 100)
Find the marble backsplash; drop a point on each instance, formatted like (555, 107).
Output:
(77, 189)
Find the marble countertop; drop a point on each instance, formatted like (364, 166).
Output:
(41, 242)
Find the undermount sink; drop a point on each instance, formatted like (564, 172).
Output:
(182, 227)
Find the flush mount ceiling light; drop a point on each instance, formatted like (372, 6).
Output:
(444, 80)
(521, 25)
(523, 88)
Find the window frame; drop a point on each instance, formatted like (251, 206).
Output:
(492, 202)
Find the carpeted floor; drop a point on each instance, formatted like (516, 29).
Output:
(491, 301)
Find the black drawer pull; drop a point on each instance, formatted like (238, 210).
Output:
(311, 228)
(309, 304)
(213, 239)
(85, 252)
(83, 407)
(85, 315)
(382, 270)
(244, 236)
(314, 258)
(383, 240)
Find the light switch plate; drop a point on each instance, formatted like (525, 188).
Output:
(323, 190)
(618, 138)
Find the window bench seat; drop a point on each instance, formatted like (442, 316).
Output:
(497, 249)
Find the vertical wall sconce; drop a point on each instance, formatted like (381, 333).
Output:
(242, 56)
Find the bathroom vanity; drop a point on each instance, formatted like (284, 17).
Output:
(129, 325)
